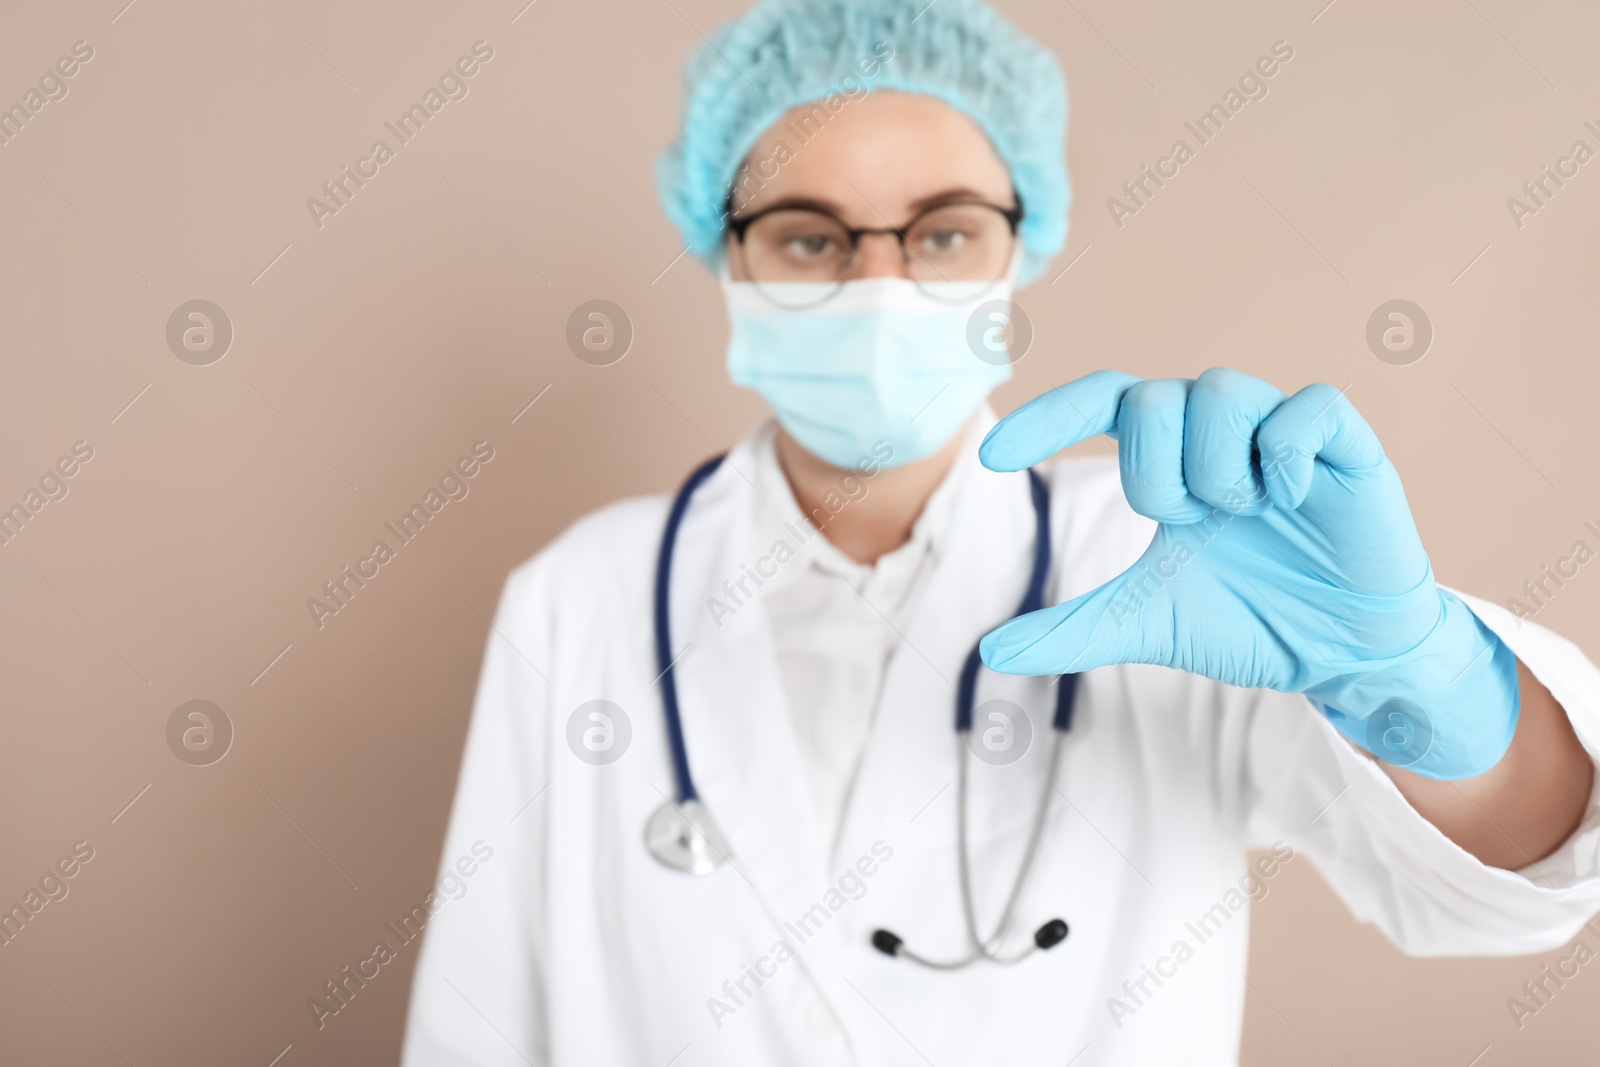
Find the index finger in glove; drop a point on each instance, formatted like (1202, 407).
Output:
(1055, 420)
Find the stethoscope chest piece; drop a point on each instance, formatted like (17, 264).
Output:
(683, 837)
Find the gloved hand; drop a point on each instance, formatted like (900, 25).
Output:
(1286, 558)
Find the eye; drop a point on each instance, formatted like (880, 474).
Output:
(944, 240)
(811, 245)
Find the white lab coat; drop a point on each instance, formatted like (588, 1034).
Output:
(573, 946)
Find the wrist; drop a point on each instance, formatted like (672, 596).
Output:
(1446, 709)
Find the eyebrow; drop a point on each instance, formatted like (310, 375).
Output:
(959, 193)
(816, 203)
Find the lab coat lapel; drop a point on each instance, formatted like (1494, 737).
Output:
(736, 722)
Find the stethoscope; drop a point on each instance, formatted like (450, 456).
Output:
(681, 834)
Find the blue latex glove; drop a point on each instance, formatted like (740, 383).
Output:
(1286, 558)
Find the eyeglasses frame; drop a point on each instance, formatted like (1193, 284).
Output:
(738, 227)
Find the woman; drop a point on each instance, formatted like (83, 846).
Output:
(825, 871)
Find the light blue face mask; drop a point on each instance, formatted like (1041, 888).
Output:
(881, 367)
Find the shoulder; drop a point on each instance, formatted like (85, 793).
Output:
(601, 569)
(607, 557)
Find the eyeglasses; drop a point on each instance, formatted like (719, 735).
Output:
(800, 255)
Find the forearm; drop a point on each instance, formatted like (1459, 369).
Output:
(1526, 805)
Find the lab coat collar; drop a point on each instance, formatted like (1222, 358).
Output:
(778, 515)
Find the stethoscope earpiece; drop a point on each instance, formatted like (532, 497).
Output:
(886, 942)
(1050, 934)
(1045, 938)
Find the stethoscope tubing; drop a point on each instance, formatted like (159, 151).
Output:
(966, 686)
(682, 779)
(986, 945)
(966, 694)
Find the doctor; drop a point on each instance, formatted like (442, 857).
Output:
(745, 830)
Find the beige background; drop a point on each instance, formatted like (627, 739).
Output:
(430, 311)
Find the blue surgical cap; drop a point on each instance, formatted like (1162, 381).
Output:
(789, 52)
